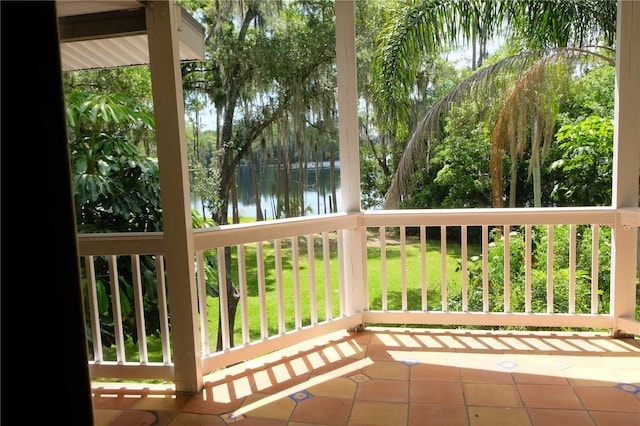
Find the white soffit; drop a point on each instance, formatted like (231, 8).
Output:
(106, 34)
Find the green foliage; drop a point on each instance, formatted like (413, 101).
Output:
(116, 189)
(463, 164)
(586, 167)
(373, 181)
(458, 175)
(204, 184)
(116, 186)
(561, 271)
(210, 256)
(135, 82)
(591, 93)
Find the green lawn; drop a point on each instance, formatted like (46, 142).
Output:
(393, 273)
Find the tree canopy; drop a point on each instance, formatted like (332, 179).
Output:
(519, 94)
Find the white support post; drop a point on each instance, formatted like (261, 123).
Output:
(354, 240)
(626, 160)
(162, 19)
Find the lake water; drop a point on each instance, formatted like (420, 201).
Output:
(317, 197)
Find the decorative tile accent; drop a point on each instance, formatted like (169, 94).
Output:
(508, 365)
(628, 387)
(300, 396)
(231, 418)
(410, 361)
(359, 378)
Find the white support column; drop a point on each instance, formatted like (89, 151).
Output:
(626, 159)
(162, 24)
(354, 242)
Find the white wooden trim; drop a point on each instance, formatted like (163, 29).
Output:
(166, 79)
(273, 343)
(488, 319)
(626, 156)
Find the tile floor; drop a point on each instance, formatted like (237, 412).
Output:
(389, 377)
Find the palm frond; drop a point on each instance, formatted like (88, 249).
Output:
(489, 84)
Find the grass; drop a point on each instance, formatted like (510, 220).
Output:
(315, 297)
(318, 300)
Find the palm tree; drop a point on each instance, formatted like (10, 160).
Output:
(542, 34)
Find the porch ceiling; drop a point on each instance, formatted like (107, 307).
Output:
(112, 33)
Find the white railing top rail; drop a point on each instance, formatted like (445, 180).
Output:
(491, 216)
(121, 243)
(152, 243)
(243, 233)
(126, 243)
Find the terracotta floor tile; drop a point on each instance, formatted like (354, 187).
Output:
(144, 418)
(433, 356)
(104, 417)
(417, 378)
(549, 396)
(252, 421)
(627, 373)
(555, 417)
(191, 419)
(267, 406)
(351, 349)
(362, 338)
(119, 401)
(379, 352)
(629, 361)
(480, 358)
(262, 380)
(491, 394)
(304, 424)
(477, 375)
(383, 390)
(610, 418)
(437, 415)
(498, 416)
(387, 370)
(408, 340)
(386, 338)
(538, 379)
(438, 373)
(222, 392)
(378, 413)
(436, 393)
(159, 403)
(333, 366)
(283, 385)
(608, 399)
(322, 409)
(595, 376)
(203, 403)
(581, 361)
(340, 387)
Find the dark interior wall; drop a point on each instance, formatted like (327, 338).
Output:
(44, 353)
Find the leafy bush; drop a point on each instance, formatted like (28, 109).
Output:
(561, 271)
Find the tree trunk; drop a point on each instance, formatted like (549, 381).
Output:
(536, 142)
(302, 168)
(287, 176)
(233, 297)
(514, 182)
(234, 204)
(278, 178)
(332, 178)
(318, 177)
(537, 182)
(256, 187)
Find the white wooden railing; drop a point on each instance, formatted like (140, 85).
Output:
(285, 298)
